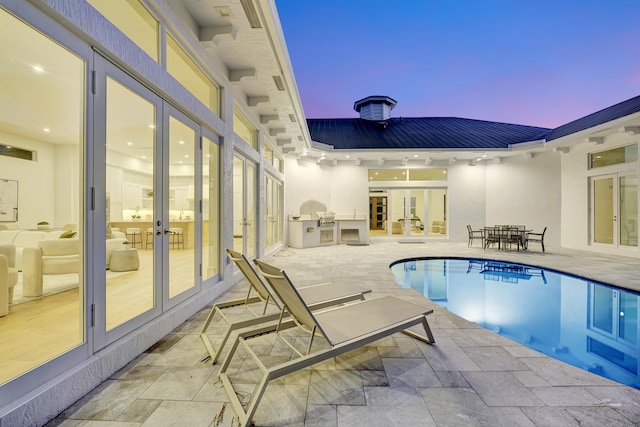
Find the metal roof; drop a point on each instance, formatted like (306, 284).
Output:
(421, 133)
(608, 114)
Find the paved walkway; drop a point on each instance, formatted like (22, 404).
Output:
(469, 377)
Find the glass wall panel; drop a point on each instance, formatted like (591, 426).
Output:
(182, 143)
(427, 174)
(603, 206)
(135, 21)
(130, 141)
(628, 210)
(210, 208)
(273, 216)
(387, 175)
(407, 174)
(181, 66)
(238, 204)
(251, 213)
(242, 127)
(614, 156)
(437, 212)
(43, 111)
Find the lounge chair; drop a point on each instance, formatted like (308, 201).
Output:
(344, 328)
(318, 297)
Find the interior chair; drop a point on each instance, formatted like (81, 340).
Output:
(176, 237)
(536, 238)
(317, 296)
(8, 276)
(397, 227)
(55, 256)
(343, 329)
(475, 234)
(134, 235)
(148, 238)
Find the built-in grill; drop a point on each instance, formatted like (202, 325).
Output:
(326, 219)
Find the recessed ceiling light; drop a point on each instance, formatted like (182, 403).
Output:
(186, 156)
(46, 130)
(347, 156)
(38, 69)
(152, 126)
(415, 155)
(129, 143)
(181, 142)
(144, 157)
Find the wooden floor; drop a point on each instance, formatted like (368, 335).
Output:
(37, 331)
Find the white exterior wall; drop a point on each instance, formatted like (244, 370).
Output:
(576, 197)
(523, 191)
(466, 199)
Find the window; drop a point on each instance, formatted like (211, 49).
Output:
(272, 158)
(407, 175)
(184, 69)
(242, 127)
(615, 156)
(134, 20)
(44, 99)
(18, 153)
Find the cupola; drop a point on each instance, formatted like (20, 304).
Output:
(375, 108)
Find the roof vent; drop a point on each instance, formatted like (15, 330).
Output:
(375, 107)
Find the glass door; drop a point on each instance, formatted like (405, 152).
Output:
(416, 212)
(604, 215)
(127, 142)
(244, 206)
(273, 211)
(178, 213)
(628, 210)
(614, 209)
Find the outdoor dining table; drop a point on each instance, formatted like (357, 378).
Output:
(505, 234)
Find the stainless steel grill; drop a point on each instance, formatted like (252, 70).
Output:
(326, 219)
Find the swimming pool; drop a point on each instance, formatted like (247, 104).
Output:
(588, 324)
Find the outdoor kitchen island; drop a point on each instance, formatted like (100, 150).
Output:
(325, 228)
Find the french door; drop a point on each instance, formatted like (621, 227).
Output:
(416, 212)
(244, 206)
(146, 159)
(614, 209)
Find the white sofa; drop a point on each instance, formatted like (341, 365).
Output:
(8, 276)
(22, 239)
(50, 256)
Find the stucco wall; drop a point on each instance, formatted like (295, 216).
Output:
(522, 191)
(576, 201)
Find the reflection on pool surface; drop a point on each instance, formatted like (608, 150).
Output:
(588, 324)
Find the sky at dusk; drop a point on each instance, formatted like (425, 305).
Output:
(533, 62)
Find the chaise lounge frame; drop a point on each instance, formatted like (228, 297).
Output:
(318, 296)
(344, 328)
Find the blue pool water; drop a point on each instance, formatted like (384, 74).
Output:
(588, 324)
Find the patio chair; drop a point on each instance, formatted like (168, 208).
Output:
(475, 234)
(343, 329)
(318, 296)
(536, 238)
(492, 236)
